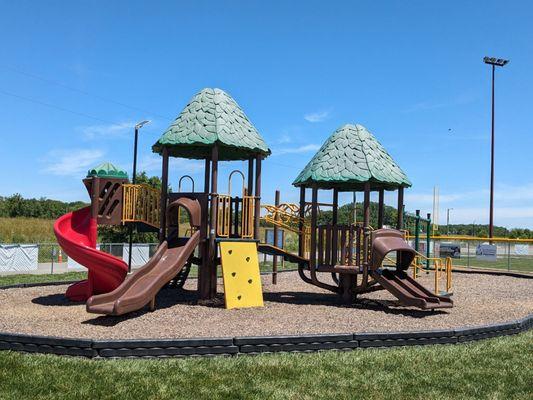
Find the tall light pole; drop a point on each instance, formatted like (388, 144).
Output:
(494, 62)
(134, 180)
(448, 220)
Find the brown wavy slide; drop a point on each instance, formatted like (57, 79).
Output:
(141, 287)
(407, 290)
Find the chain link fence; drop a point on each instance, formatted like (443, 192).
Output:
(52, 252)
(502, 254)
(50, 258)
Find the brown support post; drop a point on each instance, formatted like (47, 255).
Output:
(213, 228)
(164, 195)
(207, 279)
(95, 197)
(348, 282)
(301, 237)
(203, 273)
(257, 211)
(399, 220)
(276, 233)
(250, 176)
(312, 249)
(334, 216)
(381, 208)
(206, 176)
(334, 232)
(366, 233)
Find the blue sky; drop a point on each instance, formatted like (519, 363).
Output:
(75, 77)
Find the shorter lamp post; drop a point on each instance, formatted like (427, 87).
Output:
(134, 180)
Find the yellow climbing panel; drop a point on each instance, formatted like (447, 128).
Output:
(240, 272)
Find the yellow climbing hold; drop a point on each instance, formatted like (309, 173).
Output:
(240, 272)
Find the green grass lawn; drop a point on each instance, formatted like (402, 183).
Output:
(514, 263)
(29, 278)
(492, 369)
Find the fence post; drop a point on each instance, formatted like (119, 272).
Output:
(468, 254)
(508, 256)
(417, 230)
(52, 264)
(428, 240)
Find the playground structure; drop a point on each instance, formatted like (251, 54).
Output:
(353, 160)
(287, 216)
(224, 229)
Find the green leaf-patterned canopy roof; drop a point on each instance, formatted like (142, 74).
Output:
(107, 170)
(212, 116)
(349, 158)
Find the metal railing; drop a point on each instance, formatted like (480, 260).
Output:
(442, 269)
(286, 216)
(141, 204)
(511, 254)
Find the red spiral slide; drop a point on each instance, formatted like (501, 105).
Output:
(76, 234)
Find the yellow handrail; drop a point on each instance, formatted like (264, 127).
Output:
(438, 268)
(286, 216)
(141, 204)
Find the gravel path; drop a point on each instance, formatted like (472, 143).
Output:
(291, 307)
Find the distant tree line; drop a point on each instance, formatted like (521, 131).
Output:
(345, 215)
(483, 231)
(16, 206)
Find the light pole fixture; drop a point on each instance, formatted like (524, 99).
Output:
(494, 62)
(138, 126)
(448, 220)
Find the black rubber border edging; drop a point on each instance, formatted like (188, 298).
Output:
(251, 345)
(148, 348)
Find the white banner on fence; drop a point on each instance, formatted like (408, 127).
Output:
(18, 257)
(139, 254)
(521, 249)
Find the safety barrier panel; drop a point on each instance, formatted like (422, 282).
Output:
(235, 216)
(247, 218)
(141, 204)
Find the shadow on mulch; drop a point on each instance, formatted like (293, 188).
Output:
(166, 298)
(56, 299)
(333, 300)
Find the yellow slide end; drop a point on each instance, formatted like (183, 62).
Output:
(240, 272)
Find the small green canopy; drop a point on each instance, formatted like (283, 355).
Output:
(107, 170)
(212, 116)
(348, 159)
